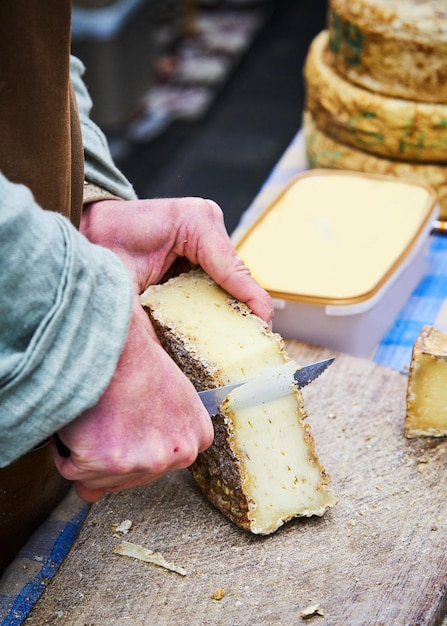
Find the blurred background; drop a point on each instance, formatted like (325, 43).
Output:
(197, 97)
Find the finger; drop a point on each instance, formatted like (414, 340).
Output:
(230, 272)
(238, 281)
(96, 476)
(89, 495)
(86, 491)
(212, 249)
(103, 476)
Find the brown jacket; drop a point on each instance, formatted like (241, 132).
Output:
(40, 137)
(41, 147)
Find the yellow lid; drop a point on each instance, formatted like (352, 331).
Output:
(335, 236)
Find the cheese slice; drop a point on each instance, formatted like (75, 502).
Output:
(427, 386)
(262, 468)
(394, 47)
(382, 125)
(323, 151)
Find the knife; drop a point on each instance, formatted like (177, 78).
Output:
(274, 383)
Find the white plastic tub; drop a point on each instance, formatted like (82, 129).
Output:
(340, 253)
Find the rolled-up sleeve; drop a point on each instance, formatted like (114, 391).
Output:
(99, 167)
(59, 340)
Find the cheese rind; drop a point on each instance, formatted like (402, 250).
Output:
(325, 152)
(262, 468)
(393, 47)
(426, 414)
(381, 125)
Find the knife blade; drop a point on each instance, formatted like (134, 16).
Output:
(274, 383)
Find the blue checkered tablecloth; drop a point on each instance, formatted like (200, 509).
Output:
(37, 563)
(425, 306)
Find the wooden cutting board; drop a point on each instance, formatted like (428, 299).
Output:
(379, 557)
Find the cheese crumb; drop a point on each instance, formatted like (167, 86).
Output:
(148, 556)
(122, 528)
(218, 594)
(311, 610)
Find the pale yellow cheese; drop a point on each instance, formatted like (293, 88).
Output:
(394, 47)
(262, 468)
(381, 125)
(323, 151)
(426, 414)
(334, 235)
(200, 313)
(280, 479)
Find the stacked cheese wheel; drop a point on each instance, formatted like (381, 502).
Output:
(376, 90)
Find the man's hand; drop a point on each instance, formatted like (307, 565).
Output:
(149, 420)
(150, 236)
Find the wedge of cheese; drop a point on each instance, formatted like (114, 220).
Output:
(427, 386)
(323, 151)
(262, 468)
(382, 125)
(394, 47)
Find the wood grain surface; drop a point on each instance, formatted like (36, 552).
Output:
(379, 557)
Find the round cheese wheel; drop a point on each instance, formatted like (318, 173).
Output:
(381, 125)
(394, 47)
(323, 151)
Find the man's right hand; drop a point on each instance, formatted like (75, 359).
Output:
(148, 421)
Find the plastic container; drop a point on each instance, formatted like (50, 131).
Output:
(340, 253)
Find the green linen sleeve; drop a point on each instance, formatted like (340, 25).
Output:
(59, 343)
(100, 169)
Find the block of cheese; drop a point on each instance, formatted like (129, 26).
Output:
(382, 125)
(323, 151)
(427, 386)
(262, 468)
(394, 47)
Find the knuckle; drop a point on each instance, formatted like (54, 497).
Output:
(215, 208)
(205, 205)
(120, 463)
(184, 454)
(160, 464)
